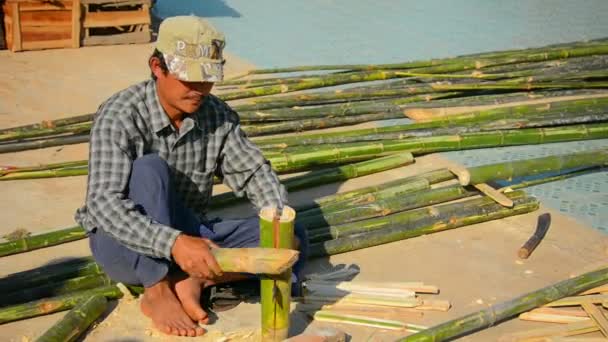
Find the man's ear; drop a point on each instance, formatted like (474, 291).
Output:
(155, 67)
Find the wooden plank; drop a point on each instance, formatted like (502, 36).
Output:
(42, 33)
(8, 23)
(16, 46)
(47, 44)
(46, 18)
(75, 24)
(45, 6)
(597, 316)
(578, 300)
(118, 2)
(575, 312)
(550, 318)
(123, 38)
(434, 305)
(115, 18)
(494, 194)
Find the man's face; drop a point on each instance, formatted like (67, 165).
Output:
(180, 96)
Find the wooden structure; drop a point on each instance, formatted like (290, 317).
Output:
(37, 24)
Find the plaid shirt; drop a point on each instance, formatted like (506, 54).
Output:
(132, 123)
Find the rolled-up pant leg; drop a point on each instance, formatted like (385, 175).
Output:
(150, 188)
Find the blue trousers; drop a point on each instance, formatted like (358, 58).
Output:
(150, 187)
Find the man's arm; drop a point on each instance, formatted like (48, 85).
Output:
(110, 162)
(245, 169)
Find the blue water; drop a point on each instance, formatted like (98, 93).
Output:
(287, 33)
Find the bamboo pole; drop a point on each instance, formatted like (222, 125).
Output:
(49, 274)
(276, 231)
(497, 313)
(77, 321)
(49, 124)
(384, 207)
(418, 222)
(528, 167)
(80, 128)
(55, 304)
(30, 145)
(56, 288)
(42, 240)
(330, 175)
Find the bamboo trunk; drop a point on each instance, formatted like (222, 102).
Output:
(276, 231)
(49, 274)
(497, 313)
(330, 175)
(42, 240)
(45, 132)
(383, 207)
(49, 124)
(55, 304)
(414, 223)
(59, 287)
(528, 167)
(30, 145)
(77, 321)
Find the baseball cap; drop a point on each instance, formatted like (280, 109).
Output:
(192, 48)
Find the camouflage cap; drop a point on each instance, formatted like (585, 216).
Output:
(192, 48)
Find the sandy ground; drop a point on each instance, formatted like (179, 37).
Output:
(474, 266)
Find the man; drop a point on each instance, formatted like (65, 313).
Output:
(154, 150)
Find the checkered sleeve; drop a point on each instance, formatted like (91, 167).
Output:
(110, 162)
(246, 170)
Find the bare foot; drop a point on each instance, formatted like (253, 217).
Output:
(188, 290)
(160, 304)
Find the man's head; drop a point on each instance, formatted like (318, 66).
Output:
(187, 61)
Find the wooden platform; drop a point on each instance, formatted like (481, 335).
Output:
(34, 25)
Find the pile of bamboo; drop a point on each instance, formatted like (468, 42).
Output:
(576, 315)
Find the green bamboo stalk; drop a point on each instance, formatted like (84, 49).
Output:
(527, 167)
(331, 175)
(526, 184)
(297, 159)
(49, 274)
(353, 211)
(55, 304)
(496, 313)
(424, 221)
(318, 123)
(60, 287)
(564, 108)
(42, 240)
(369, 199)
(30, 145)
(418, 182)
(80, 128)
(499, 57)
(77, 321)
(63, 165)
(275, 291)
(49, 124)
(52, 173)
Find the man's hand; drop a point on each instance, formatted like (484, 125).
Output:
(194, 256)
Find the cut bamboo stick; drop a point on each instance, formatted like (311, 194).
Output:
(408, 302)
(540, 334)
(366, 310)
(331, 290)
(418, 287)
(579, 300)
(343, 318)
(76, 322)
(597, 316)
(551, 318)
(434, 305)
(596, 290)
